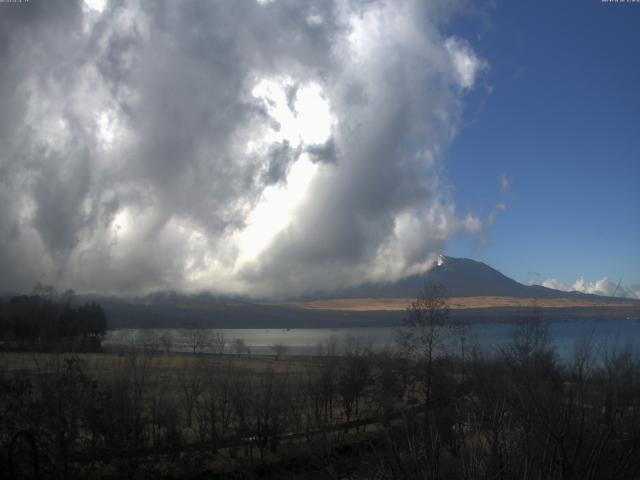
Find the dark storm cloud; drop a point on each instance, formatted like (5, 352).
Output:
(140, 143)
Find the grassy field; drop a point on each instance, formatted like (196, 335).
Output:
(457, 303)
(172, 365)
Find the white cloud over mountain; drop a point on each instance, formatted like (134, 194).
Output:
(240, 147)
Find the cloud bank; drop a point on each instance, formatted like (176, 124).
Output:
(604, 286)
(262, 148)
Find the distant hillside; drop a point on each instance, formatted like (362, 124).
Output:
(496, 297)
(461, 277)
(197, 312)
(190, 312)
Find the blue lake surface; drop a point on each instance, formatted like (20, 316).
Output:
(604, 335)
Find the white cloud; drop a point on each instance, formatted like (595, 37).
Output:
(466, 63)
(505, 183)
(243, 147)
(274, 211)
(603, 286)
(556, 284)
(303, 119)
(499, 207)
(472, 223)
(97, 5)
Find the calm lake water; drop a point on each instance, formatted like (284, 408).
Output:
(566, 335)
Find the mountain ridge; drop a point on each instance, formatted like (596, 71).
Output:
(461, 277)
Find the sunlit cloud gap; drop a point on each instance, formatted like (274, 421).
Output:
(300, 152)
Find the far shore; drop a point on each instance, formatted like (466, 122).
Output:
(459, 303)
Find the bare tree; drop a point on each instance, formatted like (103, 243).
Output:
(530, 340)
(218, 342)
(328, 348)
(388, 383)
(355, 376)
(460, 330)
(239, 346)
(197, 338)
(327, 379)
(422, 334)
(215, 408)
(280, 350)
(268, 409)
(166, 340)
(148, 339)
(191, 385)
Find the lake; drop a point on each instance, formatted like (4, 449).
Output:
(566, 335)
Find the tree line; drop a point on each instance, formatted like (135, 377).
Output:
(46, 320)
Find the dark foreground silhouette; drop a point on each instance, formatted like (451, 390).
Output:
(515, 414)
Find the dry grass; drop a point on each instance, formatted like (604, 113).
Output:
(455, 303)
(101, 365)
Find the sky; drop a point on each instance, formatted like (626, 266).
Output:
(559, 119)
(275, 148)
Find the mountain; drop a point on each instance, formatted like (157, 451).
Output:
(462, 277)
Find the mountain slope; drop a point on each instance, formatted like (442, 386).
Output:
(465, 280)
(462, 277)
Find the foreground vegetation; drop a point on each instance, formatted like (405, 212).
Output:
(417, 412)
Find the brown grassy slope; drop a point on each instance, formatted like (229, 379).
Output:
(456, 303)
